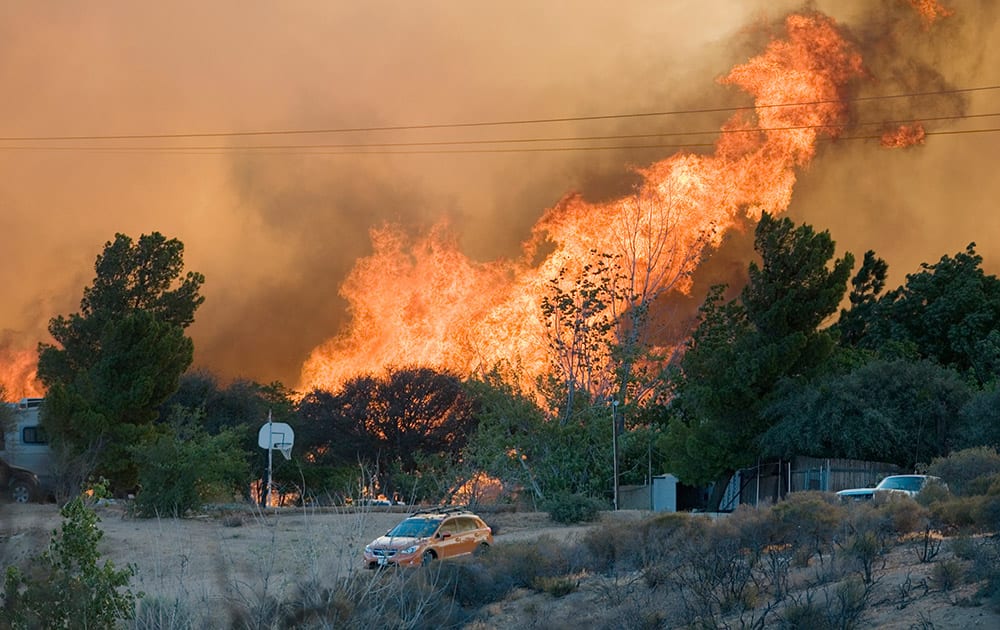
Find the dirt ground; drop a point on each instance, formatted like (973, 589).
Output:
(234, 557)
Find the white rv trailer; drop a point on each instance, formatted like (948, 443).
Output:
(24, 445)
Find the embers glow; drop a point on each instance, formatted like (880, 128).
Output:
(904, 136)
(425, 303)
(930, 11)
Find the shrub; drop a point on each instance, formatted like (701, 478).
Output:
(986, 515)
(804, 614)
(947, 574)
(964, 547)
(492, 576)
(555, 586)
(616, 546)
(906, 515)
(964, 471)
(178, 475)
(957, 512)
(155, 613)
(808, 521)
(65, 587)
(602, 545)
(933, 492)
(927, 544)
(572, 508)
(986, 569)
(870, 538)
(474, 584)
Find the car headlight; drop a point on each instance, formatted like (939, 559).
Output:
(368, 548)
(409, 550)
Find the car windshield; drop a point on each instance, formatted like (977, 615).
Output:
(414, 528)
(912, 484)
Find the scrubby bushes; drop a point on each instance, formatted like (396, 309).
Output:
(65, 587)
(573, 508)
(968, 472)
(971, 499)
(181, 472)
(808, 561)
(808, 522)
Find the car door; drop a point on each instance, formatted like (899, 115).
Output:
(466, 535)
(448, 542)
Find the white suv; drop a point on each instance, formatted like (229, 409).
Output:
(893, 485)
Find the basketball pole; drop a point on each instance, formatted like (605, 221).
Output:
(270, 455)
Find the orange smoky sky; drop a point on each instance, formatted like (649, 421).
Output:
(276, 233)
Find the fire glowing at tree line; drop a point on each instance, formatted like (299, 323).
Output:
(422, 302)
(419, 301)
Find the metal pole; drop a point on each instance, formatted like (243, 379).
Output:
(270, 455)
(614, 446)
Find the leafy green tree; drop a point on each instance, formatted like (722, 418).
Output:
(517, 443)
(574, 457)
(187, 467)
(949, 312)
(65, 586)
(240, 409)
(980, 420)
(743, 348)
(866, 289)
(901, 412)
(121, 356)
(507, 423)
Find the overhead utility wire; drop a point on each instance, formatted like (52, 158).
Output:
(286, 151)
(385, 145)
(709, 110)
(607, 148)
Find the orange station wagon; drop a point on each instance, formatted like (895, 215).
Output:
(430, 535)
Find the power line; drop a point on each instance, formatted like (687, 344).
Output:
(213, 149)
(277, 150)
(497, 123)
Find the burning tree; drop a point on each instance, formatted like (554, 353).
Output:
(421, 301)
(579, 327)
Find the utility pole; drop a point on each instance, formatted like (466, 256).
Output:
(614, 448)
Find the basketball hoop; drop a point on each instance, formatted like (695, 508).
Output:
(274, 435)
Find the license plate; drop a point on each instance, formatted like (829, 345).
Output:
(382, 561)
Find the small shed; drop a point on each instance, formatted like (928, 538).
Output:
(665, 493)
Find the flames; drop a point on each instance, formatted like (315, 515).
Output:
(421, 301)
(904, 136)
(930, 11)
(19, 374)
(424, 302)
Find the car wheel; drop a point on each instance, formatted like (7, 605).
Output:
(20, 492)
(481, 549)
(427, 558)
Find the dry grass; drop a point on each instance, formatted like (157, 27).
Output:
(301, 568)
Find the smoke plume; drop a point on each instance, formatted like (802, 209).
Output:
(277, 233)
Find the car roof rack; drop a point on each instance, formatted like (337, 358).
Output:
(451, 509)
